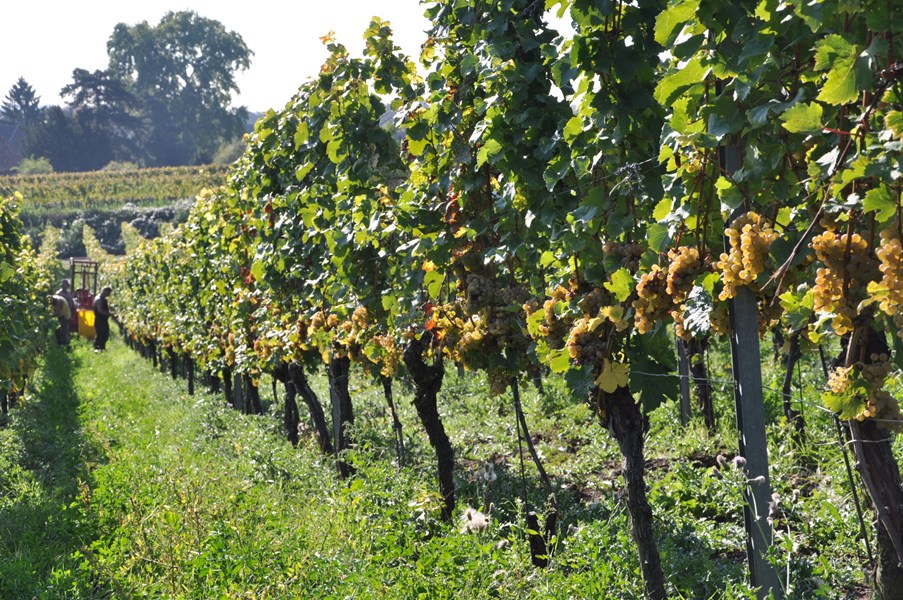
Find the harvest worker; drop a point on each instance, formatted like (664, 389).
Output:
(102, 319)
(66, 293)
(63, 316)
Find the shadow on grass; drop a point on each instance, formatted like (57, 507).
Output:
(45, 472)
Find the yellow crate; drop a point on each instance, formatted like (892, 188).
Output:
(86, 323)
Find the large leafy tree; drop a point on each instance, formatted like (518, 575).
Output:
(21, 104)
(183, 70)
(104, 112)
(58, 138)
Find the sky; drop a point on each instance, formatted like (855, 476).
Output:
(44, 41)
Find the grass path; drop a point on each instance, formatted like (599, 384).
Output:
(44, 464)
(114, 482)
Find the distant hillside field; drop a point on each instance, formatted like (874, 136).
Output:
(110, 189)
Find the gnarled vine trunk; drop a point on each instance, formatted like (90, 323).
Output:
(700, 376)
(251, 404)
(227, 387)
(793, 416)
(427, 382)
(396, 422)
(881, 474)
(342, 410)
(625, 423)
(290, 417)
(317, 417)
(173, 363)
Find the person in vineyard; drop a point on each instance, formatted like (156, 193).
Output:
(102, 319)
(65, 292)
(61, 311)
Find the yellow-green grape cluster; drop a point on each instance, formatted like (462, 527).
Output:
(504, 323)
(890, 253)
(554, 329)
(839, 380)
(499, 379)
(585, 346)
(720, 320)
(360, 318)
(591, 302)
(322, 322)
(677, 314)
(840, 284)
(653, 302)
(461, 336)
(750, 238)
(449, 326)
(684, 266)
(472, 341)
(390, 354)
(479, 292)
(878, 403)
(628, 253)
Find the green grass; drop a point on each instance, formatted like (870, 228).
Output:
(115, 483)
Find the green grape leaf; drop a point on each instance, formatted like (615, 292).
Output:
(662, 209)
(555, 172)
(433, 282)
(731, 197)
(257, 270)
(673, 85)
(669, 22)
(580, 381)
(847, 406)
(534, 321)
(621, 284)
(798, 308)
(659, 236)
(559, 360)
(572, 129)
(893, 121)
(654, 381)
(847, 72)
(882, 201)
(301, 135)
(490, 148)
(803, 118)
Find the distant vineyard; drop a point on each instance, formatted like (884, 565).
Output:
(105, 189)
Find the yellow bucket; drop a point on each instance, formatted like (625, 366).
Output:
(86, 323)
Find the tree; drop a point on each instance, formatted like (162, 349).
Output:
(183, 71)
(58, 138)
(21, 105)
(105, 111)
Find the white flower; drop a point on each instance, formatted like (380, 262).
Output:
(473, 521)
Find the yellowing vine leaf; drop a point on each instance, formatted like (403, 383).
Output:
(613, 376)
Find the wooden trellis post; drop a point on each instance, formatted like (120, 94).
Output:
(683, 368)
(746, 367)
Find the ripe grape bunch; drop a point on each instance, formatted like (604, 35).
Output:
(684, 266)
(584, 345)
(554, 327)
(867, 382)
(628, 253)
(653, 302)
(479, 291)
(890, 253)
(750, 238)
(840, 285)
